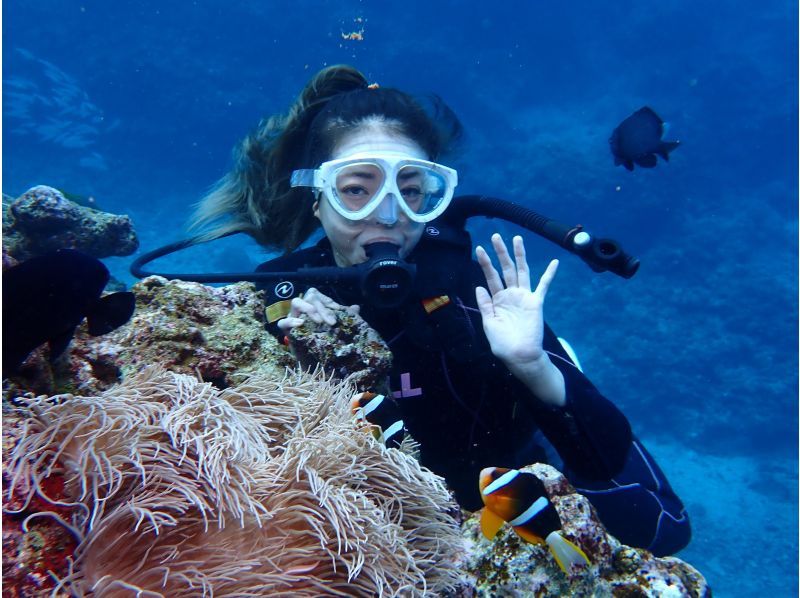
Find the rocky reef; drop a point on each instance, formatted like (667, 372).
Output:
(351, 349)
(215, 333)
(42, 220)
(227, 463)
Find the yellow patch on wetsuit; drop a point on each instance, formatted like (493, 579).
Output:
(435, 303)
(278, 310)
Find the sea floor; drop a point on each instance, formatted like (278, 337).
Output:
(744, 519)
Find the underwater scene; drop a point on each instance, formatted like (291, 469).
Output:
(668, 127)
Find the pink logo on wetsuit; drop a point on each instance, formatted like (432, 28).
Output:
(405, 388)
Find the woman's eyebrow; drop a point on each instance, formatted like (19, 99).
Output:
(408, 174)
(363, 174)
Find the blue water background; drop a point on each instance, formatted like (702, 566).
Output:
(140, 103)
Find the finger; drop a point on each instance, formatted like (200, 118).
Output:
(286, 324)
(523, 272)
(484, 301)
(314, 295)
(509, 270)
(493, 281)
(326, 315)
(546, 279)
(323, 305)
(301, 307)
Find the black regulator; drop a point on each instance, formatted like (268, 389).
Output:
(385, 280)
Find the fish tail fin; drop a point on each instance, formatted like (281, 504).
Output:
(566, 553)
(666, 148)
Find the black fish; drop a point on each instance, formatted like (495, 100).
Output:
(637, 140)
(46, 297)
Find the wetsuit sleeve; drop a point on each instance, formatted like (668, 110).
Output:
(289, 282)
(603, 460)
(590, 433)
(276, 303)
(609, 466)
(638, 506)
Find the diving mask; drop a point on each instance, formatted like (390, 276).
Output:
(356, 185)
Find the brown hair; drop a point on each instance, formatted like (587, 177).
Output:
(256, 198)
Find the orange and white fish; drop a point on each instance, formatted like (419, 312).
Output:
(519, 499)
(379, 415)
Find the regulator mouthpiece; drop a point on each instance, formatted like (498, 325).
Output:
(386, 280)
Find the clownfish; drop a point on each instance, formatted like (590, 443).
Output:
(381, 416)
(519, 499)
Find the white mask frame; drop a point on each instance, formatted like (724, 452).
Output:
(323, 179)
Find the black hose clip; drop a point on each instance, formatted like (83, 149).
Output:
(601, 255)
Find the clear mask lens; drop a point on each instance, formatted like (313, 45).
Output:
(419, 188)
(356, 185)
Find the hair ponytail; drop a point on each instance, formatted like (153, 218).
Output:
(255, 196)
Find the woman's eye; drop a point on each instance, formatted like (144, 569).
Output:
(411, 193)
(354, 191)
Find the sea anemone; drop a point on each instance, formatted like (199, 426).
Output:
(265, 488)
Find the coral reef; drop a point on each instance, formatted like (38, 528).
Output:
(349, 348)
(509, 566)
(43, 220)
(266, 488)
(36, 549)
(216, 333)
(226, 474)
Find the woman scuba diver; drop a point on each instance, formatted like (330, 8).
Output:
(478, 377)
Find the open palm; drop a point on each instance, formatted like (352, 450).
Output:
(512, 314)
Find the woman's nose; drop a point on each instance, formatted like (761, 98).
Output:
(387, 213)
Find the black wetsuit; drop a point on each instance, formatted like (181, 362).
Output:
(468, 411)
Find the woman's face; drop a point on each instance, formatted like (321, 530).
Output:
(349, 237)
